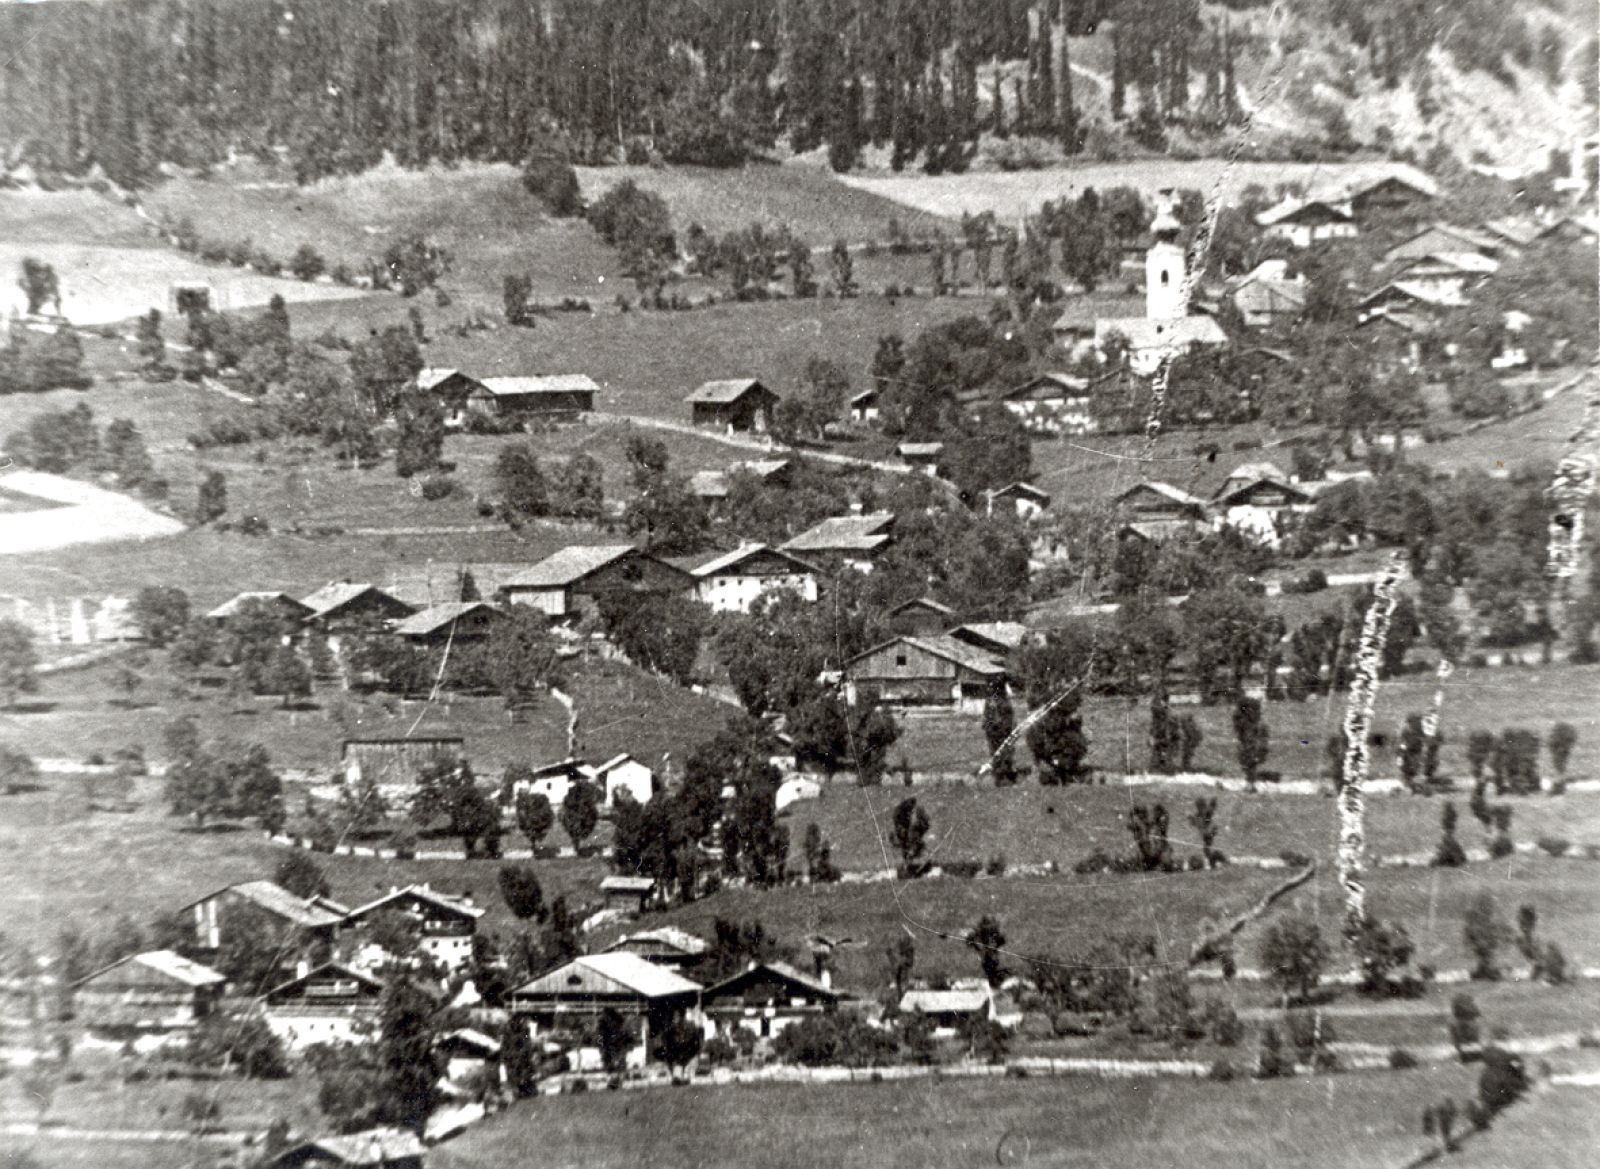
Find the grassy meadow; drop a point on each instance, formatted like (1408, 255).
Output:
(1339, 1122)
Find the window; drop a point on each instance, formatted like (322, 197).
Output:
(1165, 278)
(900, 658)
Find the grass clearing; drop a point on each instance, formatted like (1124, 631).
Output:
(104, 1100)
(1556, 1127)
(1329, 1123)
(1475, 699)
(815, 203)
(1010, 195)
(1029, 824)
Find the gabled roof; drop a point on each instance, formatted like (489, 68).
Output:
(1245, 487)
(669, 936)
(711, 564)
(1050, 384)
(1290, 210)
(1257, 471)
(571, 565)
(375, 1146)
(561, 383)
(1004, 635)
(169, 965)
(1457, 238)
(942, 645)
(726, 390)
(846, 533)
(908, 450)
(865, 397)
(345, 973)
(1408, 177)
(785, 973)
(1411, 290)
(455, 906)
(1409, 322)
(467, 1037)
(428, 379)
(613, 972)
(571, 767)
(438, 616)
(1464, 263)
(1175, 494)
(304, 912)
(336, 595)
(231, 607)
(1028, 490)
(927, 603)
(1512, 229)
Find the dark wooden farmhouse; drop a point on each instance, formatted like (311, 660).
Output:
(151, 993)
(765, 998)
(571, 582)
(735, 404)
(571, 997)
(459, 621)
(933, 671)
(343, 607)
(555, 396)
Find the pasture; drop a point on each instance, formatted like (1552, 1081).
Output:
(1338, 1122)
(1011, 195)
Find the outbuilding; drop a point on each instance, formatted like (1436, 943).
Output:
(571, 582)
(735, 404)
(152, 994)
(930, 671)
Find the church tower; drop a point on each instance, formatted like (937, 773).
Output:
(1164, 264)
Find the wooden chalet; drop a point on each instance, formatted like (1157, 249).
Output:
(330, 1003)
(452, 621)
(315, 919)
(1264, 301)
(375, 1148)
(1442, 239)
(446, 924)
(344, 607)
(294, 613)
(666, 946)
(1024, 499)
(571, 582)
(1052, 403)
(931, 672)
(732, 582)
(571, 997)
(736, 404)
(864, 407)
(1304, 222)
(765, 998)
(397, 761)
(854, 541)
(154, 993)
(924, 456)
(920, 617)
(629, 894)
(1385, 196)
(453, 389)
(1260, 505)
(555, 396)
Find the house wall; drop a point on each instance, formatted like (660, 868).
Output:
(395, 764)
(551, 602)
(737, 592)
(155, 1005)
(298, 1028)
(1055, 415)
(750, 412)
(632, 777)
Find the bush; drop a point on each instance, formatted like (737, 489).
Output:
(964, 868)
(1314, 581)
(1401, 1060)
(1223, 1071)
(1295, 860)
(1501, 846)
(997, 865)
(1554, 845)
(436, 487)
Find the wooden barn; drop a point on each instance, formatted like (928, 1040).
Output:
(571, 582)
(735, 404)
(933, 671)
(396, 761)
(453, 389)
(920, 616)
(555, 396)
(316, 919)
(152, 993)
(374, 1148)
(457, 621)
(343, 607)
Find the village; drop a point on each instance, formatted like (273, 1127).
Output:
(631, 650)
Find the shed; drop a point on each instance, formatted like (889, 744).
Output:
(397, 761)
(994, 637)
(948, 1010)
(733, 404)
(864, 407)
(553, 396)
(630, 894)
(1155, 500)
(156, 991)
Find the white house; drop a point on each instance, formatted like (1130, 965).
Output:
(1023, 498)
(332, 1003)
(1260, 506)
(554, 780)
(1303, 222)
(732, 582)
(445, 924)
(622, 774)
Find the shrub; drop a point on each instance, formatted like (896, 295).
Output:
(436, 487)
(1501, 846)
(963, 867)
(997, 865)
(1401, 1060)
(1295, 860)
(1554, 845)
(1223, 1071)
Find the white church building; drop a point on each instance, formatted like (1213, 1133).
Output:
(1166, 329)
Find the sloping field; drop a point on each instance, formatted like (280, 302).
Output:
(479, 212)
(101, 284)
(71, 217)
(1017, 193)
(816, 204)
(74, 513)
